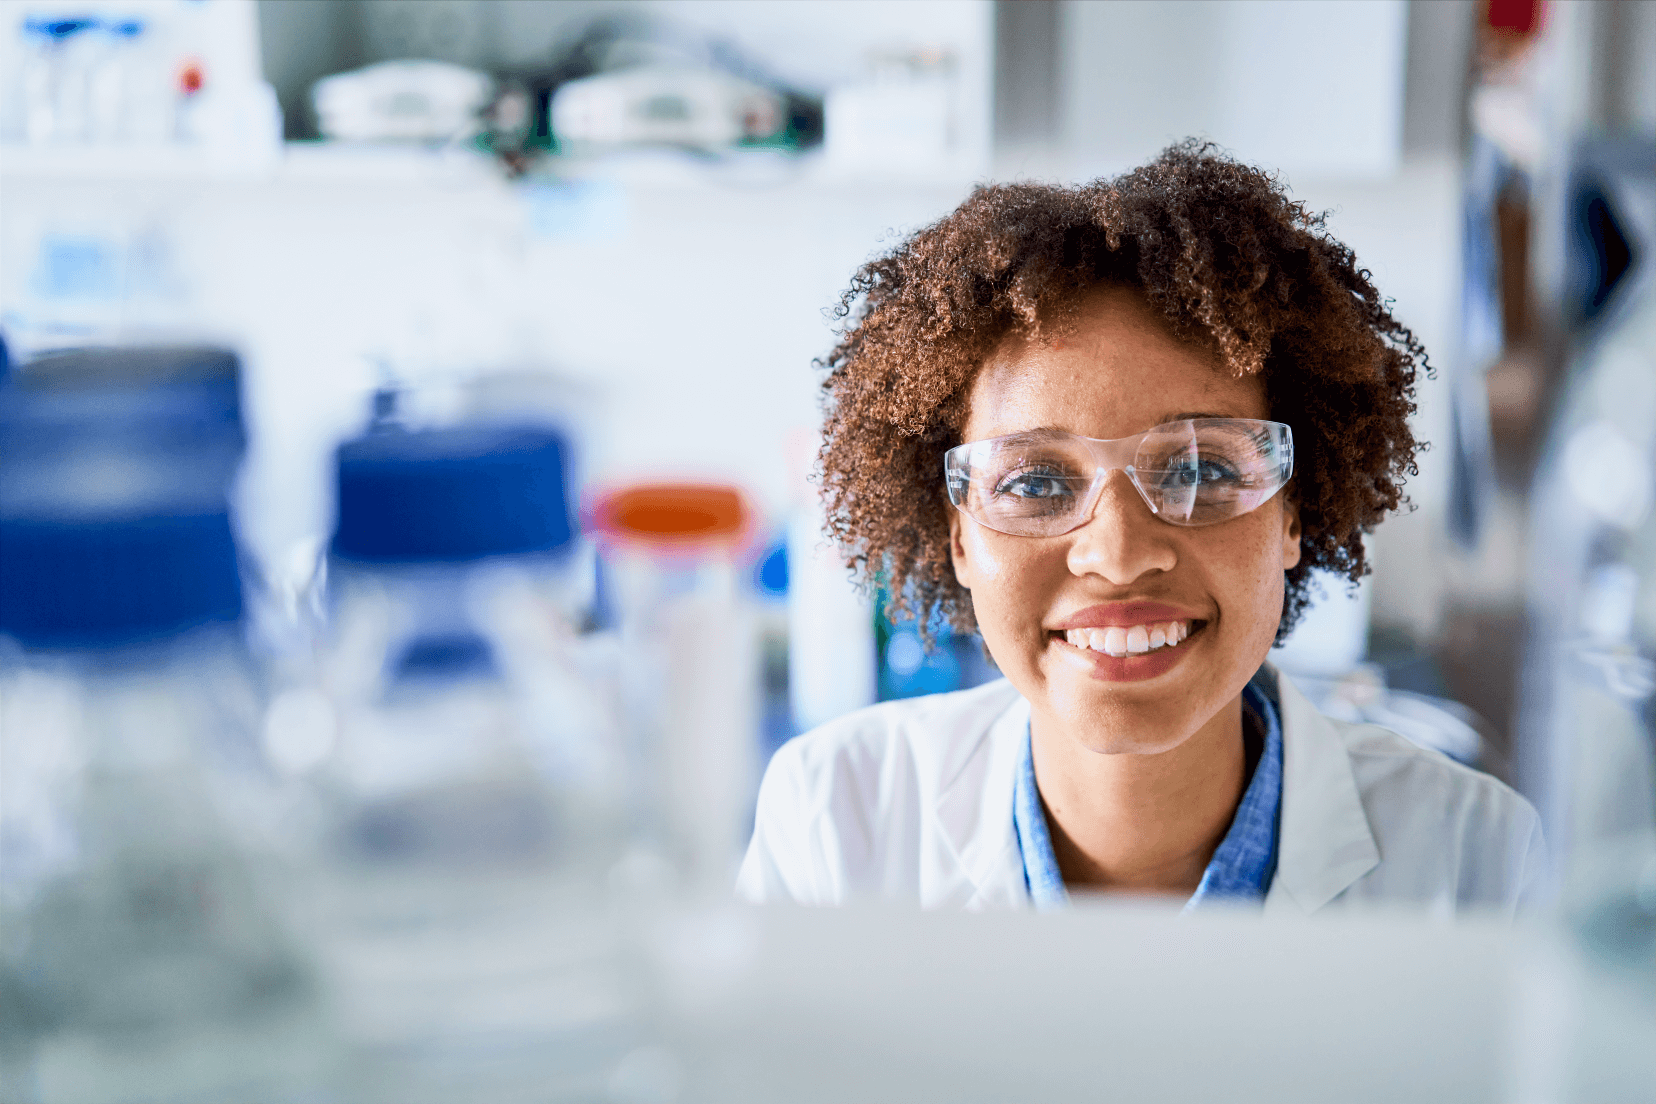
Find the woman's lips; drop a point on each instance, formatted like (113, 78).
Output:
(1107, 615)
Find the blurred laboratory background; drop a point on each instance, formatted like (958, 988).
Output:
(407, 533)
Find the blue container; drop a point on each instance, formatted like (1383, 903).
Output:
(109, 582)
(451, 495)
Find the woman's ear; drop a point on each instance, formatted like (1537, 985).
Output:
(1290, 533)
(957, 552)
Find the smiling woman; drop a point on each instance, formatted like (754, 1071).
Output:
(1113, 428)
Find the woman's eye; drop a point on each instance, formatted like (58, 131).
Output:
(1034, 485)
(1189, 472)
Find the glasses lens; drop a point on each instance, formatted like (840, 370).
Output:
(1204, 471)
(1021, 484)
(1195, 472)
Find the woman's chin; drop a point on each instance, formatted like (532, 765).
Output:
(1122, 727)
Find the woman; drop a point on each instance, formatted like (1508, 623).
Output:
(1114, 428)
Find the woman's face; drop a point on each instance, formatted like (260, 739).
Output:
(1116, 374)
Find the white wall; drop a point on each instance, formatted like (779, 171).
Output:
(1301, 85)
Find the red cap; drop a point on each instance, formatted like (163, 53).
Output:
(674, 515)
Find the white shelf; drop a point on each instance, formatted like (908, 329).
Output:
(135, 162)
(352, 163)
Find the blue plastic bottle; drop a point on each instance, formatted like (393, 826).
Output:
(142, 950)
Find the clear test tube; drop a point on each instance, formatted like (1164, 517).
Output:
(674, 556)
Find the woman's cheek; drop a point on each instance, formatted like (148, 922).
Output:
(986, 563)
(1257, 588)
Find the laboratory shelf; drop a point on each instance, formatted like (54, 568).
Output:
(449, 166)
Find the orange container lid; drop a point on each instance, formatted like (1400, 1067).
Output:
(679, 515)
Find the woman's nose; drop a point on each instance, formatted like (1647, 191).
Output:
(1123, 540)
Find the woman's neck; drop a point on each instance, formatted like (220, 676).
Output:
(1141, 823)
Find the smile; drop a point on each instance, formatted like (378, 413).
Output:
(1121, 640)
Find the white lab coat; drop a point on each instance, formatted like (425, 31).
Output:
(912, 801)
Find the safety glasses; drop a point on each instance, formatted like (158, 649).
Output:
(1044, 482)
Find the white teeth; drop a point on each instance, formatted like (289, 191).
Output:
(1120, 641)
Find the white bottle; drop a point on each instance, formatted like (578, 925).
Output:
(831, 660)
(55, 78)
(113, 79)
(674, 554)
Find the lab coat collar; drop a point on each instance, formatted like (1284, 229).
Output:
(1325, 842)
(974, 813)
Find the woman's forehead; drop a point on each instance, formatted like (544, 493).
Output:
(1114, 371)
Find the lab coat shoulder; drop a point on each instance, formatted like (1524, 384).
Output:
(850, 810)
(1450, 839)
(912, 801)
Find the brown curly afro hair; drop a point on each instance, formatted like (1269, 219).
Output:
(1229, 262)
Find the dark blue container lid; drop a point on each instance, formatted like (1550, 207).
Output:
(109, 582)
(161, 391)
(451, 495)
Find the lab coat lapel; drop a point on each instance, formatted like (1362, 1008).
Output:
(974, 818)
(1325, 842)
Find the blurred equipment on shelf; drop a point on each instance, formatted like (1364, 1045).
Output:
(638, 79)
(901, 117)
(665, 105)
(403, 101)
(676, 566)
(138, 73)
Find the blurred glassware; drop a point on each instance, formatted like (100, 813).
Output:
(115, 84)
(460, 750)
(674, 556)
(832, 660)
(141, 947)
(56, 75)
(772, 588)
(1587, 730)
(148, 73)
(907, 667)
(1359, 695)
(1331, 638)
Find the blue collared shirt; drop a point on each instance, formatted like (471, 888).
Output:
(1240, 870)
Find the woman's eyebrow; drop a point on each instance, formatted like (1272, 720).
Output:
(1187, 415)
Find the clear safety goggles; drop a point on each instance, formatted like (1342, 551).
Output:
(1044, 482)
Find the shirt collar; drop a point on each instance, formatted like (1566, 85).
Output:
(1240, 870)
